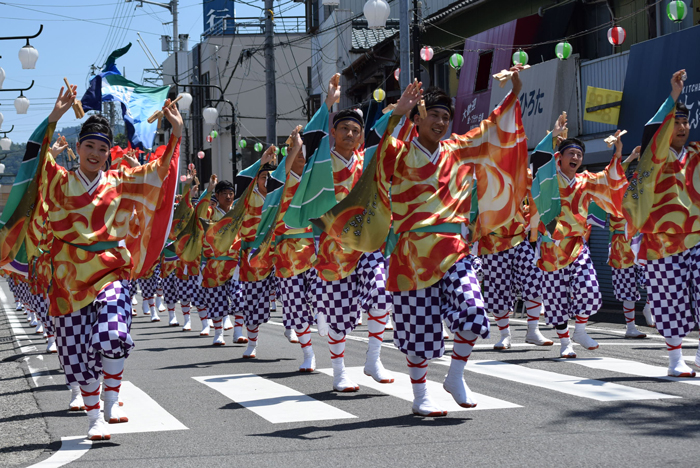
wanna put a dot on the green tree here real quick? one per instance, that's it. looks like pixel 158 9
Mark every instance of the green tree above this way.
pixel 121 140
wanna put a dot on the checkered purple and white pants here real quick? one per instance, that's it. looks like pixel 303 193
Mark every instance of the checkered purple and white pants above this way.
pixel 23 294
pixel 188 288
pixel 150 285
pixel 255 301
pixel 343 300
pixel 220 299
pixel 172 289
pixel 628 281
pixel 418 314
pixel 40 304
pixel 296 311
pixel 572 290
pixel 99 329
pixel 508 272
pixel 673 289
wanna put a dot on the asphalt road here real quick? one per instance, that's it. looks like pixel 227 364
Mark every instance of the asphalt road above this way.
pixel 192 405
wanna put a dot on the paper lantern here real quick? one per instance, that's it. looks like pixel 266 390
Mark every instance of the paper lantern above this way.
pixel 2 118
pixel 426 53
pixel 397 74
pixel 677 11
pixel 210 114
pixel 183 178
pixel 21 104
pixel 190 166
pixel 379 94
pixel 376 12
pixel 214 134
pixel 284 151
pixel 563 50
pixel 28 55
pixel 258 147
pixel 2 76
pixel 520 57
pixel 616 35
pixel 201 155
pixel 5 143
pixel 456 61
pixel 242 144
pixel 209 139
pixel 185 102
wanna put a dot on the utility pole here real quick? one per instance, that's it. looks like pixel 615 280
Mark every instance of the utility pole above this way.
pixel 172 8
pixel 270 88
pixel 416 42
pixel 404 45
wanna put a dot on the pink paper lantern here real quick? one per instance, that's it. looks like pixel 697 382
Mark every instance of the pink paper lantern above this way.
pixel 201 155
pixel 616 35
pixel 397 74
pixel 191 167
pixel 209 139
pixel 426 53
pixel 183 178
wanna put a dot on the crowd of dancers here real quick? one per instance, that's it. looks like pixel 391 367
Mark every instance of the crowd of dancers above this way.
pixel 422 232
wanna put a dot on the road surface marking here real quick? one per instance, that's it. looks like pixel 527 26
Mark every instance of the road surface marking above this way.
pixel 272 401
pixel 401 388
pixel 71 449
pixel 624 366
pixel 569 384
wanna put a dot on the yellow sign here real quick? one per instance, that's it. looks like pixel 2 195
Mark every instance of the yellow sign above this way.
pixel 598 97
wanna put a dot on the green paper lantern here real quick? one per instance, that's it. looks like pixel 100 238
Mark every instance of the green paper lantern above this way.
pixel 258 147
pixel 284 151
pixel 277 150
pixel 520 57
pixel 456 61
pixel 242 144
pixel 563 50
pixel 214 134
pixel 677 11
pixel 379 94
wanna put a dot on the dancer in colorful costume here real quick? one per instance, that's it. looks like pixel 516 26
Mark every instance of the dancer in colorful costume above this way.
pixel 569 283
pixel 663 203
pixel 88 213
pixel 424 192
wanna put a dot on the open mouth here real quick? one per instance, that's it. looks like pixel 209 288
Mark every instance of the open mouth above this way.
pixel 93 161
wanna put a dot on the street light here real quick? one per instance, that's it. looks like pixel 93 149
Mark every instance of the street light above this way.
pixel 210 114
pixel 5 143
pixel 2 118
pixel 21 104
pixel 28 55
pixel 2 77
pixel 376 12
pixel 185 102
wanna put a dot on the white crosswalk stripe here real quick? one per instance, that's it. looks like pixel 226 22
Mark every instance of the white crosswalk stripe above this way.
pixel 401 388
pixel 270 400
pixel 563 383
pixel 624 366
pixel 144 413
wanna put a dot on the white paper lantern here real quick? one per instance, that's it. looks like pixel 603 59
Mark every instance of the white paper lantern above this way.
pixel 21 104
pixel 210 114
pixel 2 168
pixel 28 55
pixel 5 143
pixel 2 118
pixel 376 12
pixel 2 76
pixel 185 102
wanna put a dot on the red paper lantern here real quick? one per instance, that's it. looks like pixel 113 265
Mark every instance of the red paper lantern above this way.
pixel 209 139
pixel 190 166
pixel 616 35
pixel 183 178
pixel 201 155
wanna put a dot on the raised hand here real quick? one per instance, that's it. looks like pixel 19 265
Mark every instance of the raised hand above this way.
pixel 410 97
pixel 63 103
pixel 59 146
pixel 559 125
pixel 677 84
pixel 174 117
pixel 634 155
pixel 333 91
pixel 618 144
pixel 269 156
pixel 515 79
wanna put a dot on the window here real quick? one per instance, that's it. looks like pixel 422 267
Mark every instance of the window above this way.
pixel 483 71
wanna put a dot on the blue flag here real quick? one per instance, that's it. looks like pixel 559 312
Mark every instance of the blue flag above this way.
pixel 138 102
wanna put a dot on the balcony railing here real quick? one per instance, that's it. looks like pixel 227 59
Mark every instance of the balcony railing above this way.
pixel 232 26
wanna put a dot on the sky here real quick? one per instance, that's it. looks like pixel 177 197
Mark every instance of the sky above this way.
pixel 80 33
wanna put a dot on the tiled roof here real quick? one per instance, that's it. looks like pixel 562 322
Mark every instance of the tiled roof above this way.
pixel 365 39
